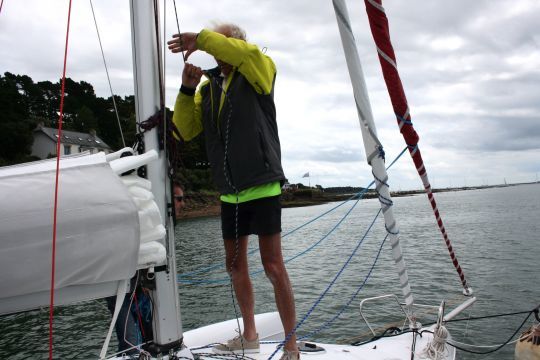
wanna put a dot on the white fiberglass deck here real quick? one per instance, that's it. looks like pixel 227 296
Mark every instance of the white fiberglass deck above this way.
pixel 270 331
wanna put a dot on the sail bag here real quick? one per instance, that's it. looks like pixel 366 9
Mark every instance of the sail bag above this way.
pixel 98 234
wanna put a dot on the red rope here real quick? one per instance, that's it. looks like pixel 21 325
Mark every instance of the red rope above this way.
pixel 381 34
pixel 60 119
pixel 141 326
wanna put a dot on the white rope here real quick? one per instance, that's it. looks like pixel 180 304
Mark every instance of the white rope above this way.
pixel 123 352
pixel 436 348
pixel 120 293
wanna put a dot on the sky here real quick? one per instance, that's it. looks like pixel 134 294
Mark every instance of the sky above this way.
pixel 470 69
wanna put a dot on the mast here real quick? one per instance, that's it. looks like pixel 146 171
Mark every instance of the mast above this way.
pixel 146 44
pixel 372 146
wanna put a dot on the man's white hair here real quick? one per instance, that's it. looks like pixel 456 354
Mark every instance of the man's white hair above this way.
pixel 231 29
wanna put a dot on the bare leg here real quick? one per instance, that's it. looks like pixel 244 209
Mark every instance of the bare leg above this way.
pixel 237 263
pixel 274 267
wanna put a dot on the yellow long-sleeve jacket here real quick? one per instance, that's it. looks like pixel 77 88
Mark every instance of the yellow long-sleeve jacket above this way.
pixel 237 115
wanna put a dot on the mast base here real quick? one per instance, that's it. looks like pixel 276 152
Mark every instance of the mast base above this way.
pixel 164 349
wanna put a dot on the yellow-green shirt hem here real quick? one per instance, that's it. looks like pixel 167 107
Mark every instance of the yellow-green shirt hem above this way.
pixel 253 193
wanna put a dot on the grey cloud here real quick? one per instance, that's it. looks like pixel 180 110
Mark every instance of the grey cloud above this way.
pixel 493 134
pixel 508 133
pixel 467 98
pixel 329 154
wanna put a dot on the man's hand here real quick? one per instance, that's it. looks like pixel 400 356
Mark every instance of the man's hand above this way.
pixel 191 76
pixel 183 42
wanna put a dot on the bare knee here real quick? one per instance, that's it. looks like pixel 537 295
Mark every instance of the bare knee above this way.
pixel 236 267
pixel 274 270
pixel 232 268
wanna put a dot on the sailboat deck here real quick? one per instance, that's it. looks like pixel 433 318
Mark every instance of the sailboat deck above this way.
pixel 387 349
pixel 271 333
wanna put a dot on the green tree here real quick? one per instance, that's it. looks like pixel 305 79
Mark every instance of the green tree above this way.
pixel 24 104
pixel 47 103
pixel 84 120
pixel 15 126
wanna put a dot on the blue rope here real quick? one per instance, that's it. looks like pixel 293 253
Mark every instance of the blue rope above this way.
pixel 381 152
pixel 402 119
pixel 254 273
pixel 357 196
pixel 413 147
pixel 327 324
pixel 384 200
pixel 388 230
pixel 397 158
pixel 316 303
pixel 212 267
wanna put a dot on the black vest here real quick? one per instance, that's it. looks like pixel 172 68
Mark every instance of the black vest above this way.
pixel 242 144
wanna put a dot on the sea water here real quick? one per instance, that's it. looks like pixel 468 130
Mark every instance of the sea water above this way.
pixel 494 232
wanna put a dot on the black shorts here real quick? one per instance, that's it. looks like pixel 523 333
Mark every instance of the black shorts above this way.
pixel 259 217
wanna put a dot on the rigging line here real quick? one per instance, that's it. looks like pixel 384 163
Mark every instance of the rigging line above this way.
pixel 317 302
pixel 163 84
pixel 453 320
pixel 55 211
pixel 413 346
pixel 1 4
pixel 368 276
pixel 163 71
pixel 108 77
pixel 196 281
pixel 168 157
pixel 493 316
pixel 216 266
pixel 498 347
pixel 159 61
pixel 129 310
pixel 221 356
pixel 119 353
pixel 360 194
pixel 178 27
pixel 230 181
pixel 135 76
pixel 380 30
pixel 486 346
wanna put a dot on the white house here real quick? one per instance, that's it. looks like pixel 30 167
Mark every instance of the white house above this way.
pixel 72 142
pixel 289 187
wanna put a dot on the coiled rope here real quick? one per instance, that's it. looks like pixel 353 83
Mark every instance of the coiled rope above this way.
pixel 497 348
pixel 436 348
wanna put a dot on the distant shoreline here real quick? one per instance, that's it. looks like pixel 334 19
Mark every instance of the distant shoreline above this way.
pixel 205 205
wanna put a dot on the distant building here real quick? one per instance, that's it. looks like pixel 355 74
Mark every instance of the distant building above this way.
pixel 289 187
pixel 72 142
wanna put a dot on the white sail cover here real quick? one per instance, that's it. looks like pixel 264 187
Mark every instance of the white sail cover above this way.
pixel 98 232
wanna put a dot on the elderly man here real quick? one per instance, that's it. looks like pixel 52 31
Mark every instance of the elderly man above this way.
pixel 235 109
